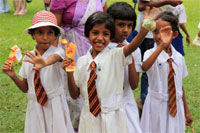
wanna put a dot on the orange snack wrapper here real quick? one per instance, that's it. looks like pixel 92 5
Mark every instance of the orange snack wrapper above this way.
pixel 70 50
pixel 15 54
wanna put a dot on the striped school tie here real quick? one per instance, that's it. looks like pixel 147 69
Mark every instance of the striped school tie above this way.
pixel 171 90
pixel 39 90
pixel 92 92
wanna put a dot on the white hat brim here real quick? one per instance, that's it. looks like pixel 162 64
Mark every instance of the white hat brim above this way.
pixel 42 24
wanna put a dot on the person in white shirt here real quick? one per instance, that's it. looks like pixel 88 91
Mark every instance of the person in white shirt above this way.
pixel 148 42
pixel 109 115
pixel 157 116
pixel 124 23
pixel 47 110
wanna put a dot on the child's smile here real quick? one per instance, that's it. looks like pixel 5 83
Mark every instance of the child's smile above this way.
pixel 99 37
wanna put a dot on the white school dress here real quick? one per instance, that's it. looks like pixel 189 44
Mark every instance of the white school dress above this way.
pixel 155 115
pixel 54 117
pixel 110 77
pixel 130 106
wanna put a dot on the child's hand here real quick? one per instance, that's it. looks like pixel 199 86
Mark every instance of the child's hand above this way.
pixel 188 40
pixel 166 36
pixel 36 60
pixel 8 69
pixel 67 62
pixel 189 119
pixel 148 22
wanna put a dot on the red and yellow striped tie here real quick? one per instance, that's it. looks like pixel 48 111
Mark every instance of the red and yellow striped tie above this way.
pixel 39 90
pixel 92 92
pixel 171 90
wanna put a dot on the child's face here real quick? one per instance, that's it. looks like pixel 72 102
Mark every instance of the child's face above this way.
pixel 122 29
pixel 44 36
pixel 99 37
pixel 159 24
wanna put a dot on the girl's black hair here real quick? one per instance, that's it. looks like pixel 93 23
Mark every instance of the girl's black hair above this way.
pixel 169 17
pixel 100 18
pixel 56 30
pixel 123 11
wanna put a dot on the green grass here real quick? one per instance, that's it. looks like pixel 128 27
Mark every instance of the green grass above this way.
pixel 13 101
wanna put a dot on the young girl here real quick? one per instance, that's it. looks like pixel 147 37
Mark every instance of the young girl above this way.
pixel 47 109
pixel 100 76
pixel 165 104
pixel 124 22
pixel 72 15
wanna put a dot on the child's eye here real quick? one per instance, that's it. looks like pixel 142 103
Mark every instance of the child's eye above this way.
pixel 39 32
pixel 106 34
pixel 121 25
pixel 95 33
pixel 50 32
pixel 155 31
pixel 130 26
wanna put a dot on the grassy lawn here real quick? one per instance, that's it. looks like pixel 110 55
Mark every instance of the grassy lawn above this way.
pixel 13 101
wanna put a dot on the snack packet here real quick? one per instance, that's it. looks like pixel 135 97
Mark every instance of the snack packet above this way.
pixel 70 50
pixel 15 54
pixel 149 24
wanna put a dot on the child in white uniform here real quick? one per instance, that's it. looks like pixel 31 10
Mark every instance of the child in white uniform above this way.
pixel 155 116
pixel 109 115
pixel 53 116
pixel 124 23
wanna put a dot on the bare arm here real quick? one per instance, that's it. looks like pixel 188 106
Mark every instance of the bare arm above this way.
pixel 73 89
pixel 166 36
pixel 183 27
pixel 9 70
pixel 150 61
pixel 133 75
pixel 134 44
pixel 143 4
pixel 186 110
pixel 128 49
pixel 58 17
pixel 39 62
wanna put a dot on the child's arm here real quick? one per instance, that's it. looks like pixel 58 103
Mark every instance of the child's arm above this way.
pixel 183 27
pixel 166 37
pixel 186 110
pixel 73 89
pixel 9 70
pixel 128 49
pixel 39 62
pixel 133 75
pixel 143 4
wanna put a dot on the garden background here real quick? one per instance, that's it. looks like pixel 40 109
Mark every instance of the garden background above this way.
pixel 13 101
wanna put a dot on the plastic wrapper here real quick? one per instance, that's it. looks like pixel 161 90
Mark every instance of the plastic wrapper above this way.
pixel 15 54
pixel 70 50
pixel 149 24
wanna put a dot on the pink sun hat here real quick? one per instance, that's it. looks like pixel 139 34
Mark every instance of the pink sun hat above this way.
pixel 44 18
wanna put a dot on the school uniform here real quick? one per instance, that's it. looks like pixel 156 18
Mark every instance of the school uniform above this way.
pixel 178 11
pixel 109 83
pixel 130 106
pixel 155 115
pixel 54 117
